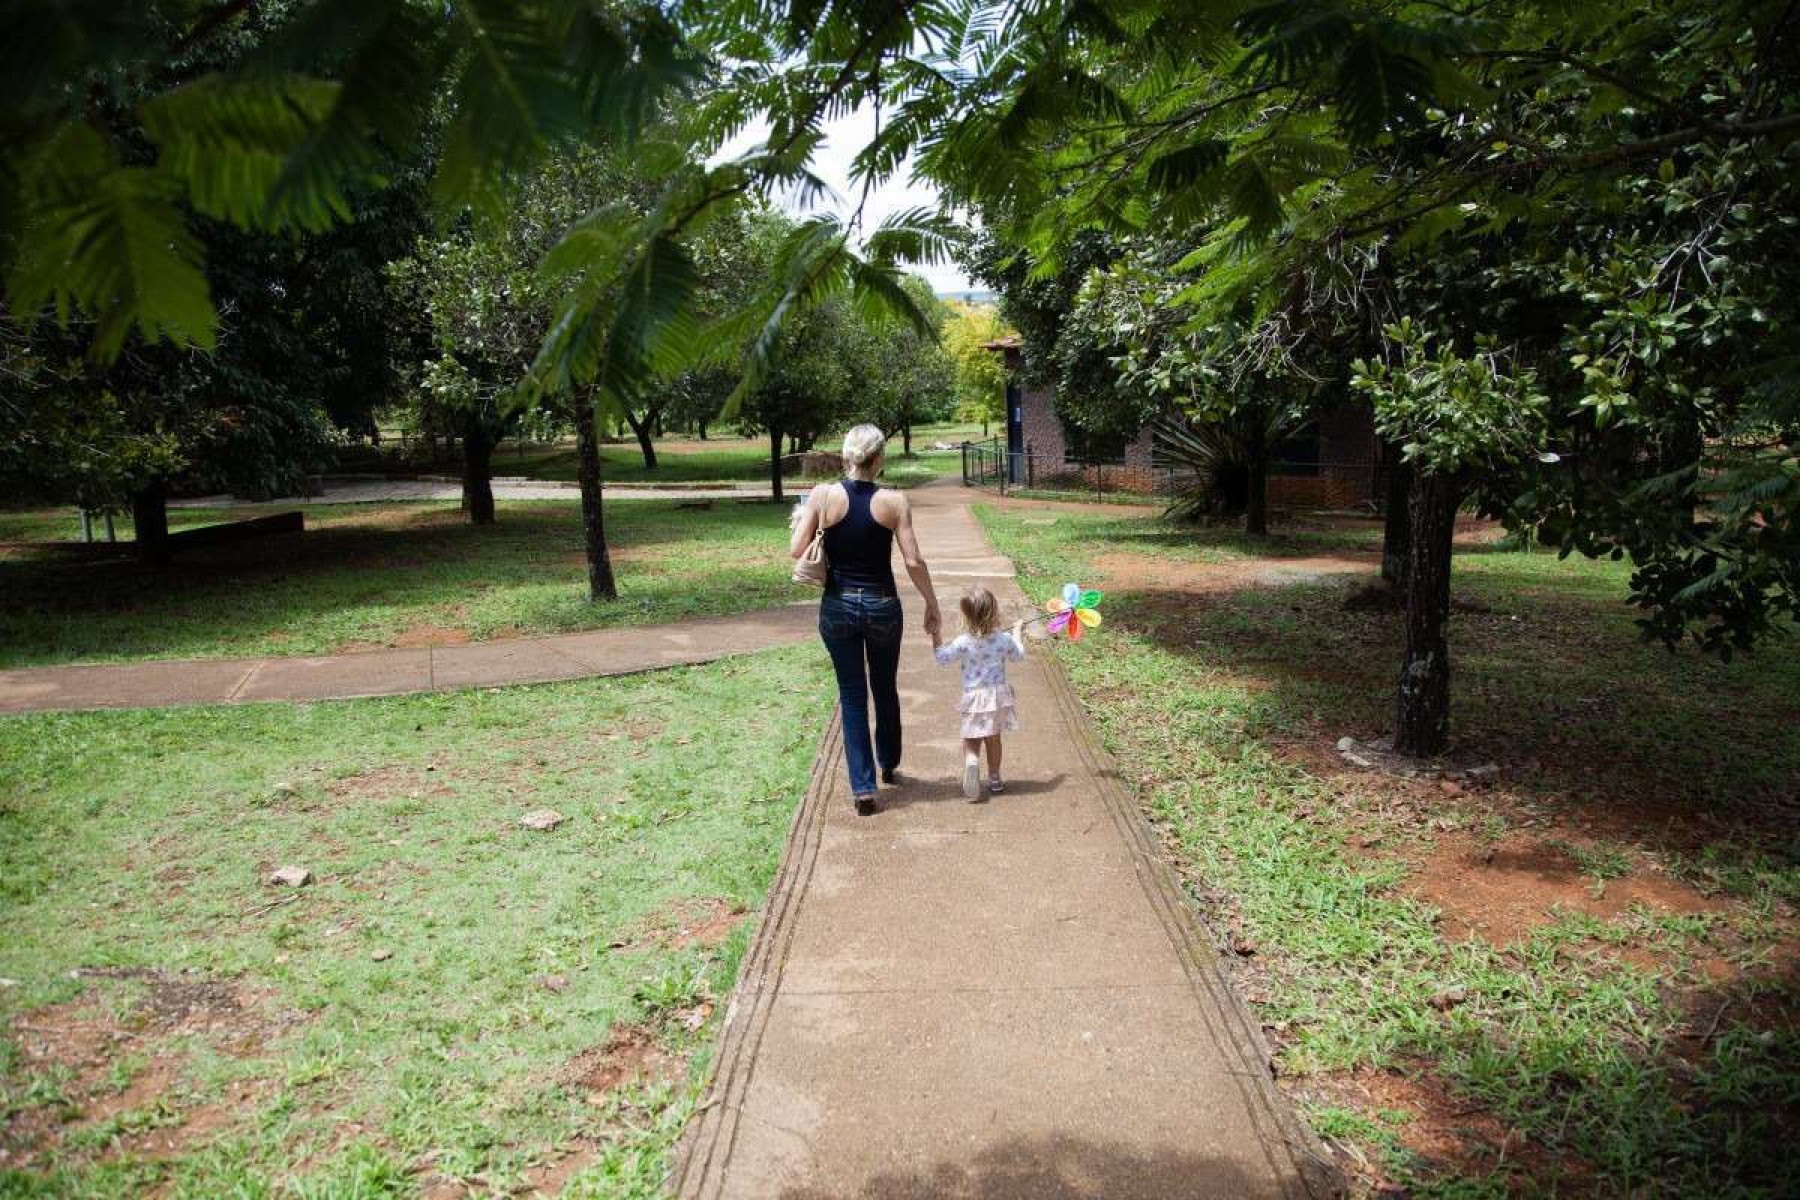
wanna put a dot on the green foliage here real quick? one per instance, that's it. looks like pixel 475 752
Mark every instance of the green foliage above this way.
pixel 822 356
pixel 303 318
pixel 980 373
pixel 1450 414
pixel 279 137
pixel 1607 204
pixel 1312 171
pixel 486 305
pixel 910 379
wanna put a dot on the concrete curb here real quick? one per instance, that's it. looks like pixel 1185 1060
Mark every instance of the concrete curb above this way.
pixel 705 1149
pixel 1199 955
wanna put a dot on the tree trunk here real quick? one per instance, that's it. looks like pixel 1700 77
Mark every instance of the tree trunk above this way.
pixel 645 443
pixel 150 514
pixel 1682 449
pixel 906 440
pixel 1396 527
pixel 1256 504
pixel 601 585
pixel 775 463
pixel 703 429
pixel 478 473
pixel 1422 710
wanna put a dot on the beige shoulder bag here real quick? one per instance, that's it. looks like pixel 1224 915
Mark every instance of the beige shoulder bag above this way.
pixel 812 567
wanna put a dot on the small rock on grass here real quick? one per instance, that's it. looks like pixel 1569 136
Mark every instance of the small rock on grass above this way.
pixel 542 819
pixel 381 955
pixel 1449 998
pixel 555 983
pixel 290 876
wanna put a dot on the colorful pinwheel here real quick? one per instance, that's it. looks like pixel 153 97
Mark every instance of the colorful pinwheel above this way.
pixel 1073 611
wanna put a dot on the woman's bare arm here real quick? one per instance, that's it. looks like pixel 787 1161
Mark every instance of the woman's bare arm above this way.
pixel 808 519
pixel 915 564
pixel 806 524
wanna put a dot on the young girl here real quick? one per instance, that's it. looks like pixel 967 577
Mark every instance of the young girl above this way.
pixel 987 699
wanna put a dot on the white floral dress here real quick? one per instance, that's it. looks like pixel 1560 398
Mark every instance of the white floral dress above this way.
pixel 987 704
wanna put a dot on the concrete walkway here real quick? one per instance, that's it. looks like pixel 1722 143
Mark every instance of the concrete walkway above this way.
pixel 621 651
pixel 1004 999
pixel 374 491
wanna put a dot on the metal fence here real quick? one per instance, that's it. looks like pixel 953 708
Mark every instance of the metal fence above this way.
pixel 990 464
pixel 1292 483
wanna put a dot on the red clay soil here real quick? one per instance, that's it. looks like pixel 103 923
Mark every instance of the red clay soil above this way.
pixel 1124 570
pixel 85 1037
pixel 1502 891
pixel 632 1054
pixel 702 923
pixel 382 783
pixel 550 1178
pixel 1460 1138
pixel 1121 511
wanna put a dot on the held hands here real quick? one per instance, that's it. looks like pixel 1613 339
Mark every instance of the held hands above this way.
pixel 934 624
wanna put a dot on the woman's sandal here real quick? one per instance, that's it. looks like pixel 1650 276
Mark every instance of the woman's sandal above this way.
pixel 996 786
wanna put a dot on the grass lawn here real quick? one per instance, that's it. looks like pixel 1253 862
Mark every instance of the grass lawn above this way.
pixel 1582 977
pixel 731 461
pixel 383 574
pixel 722 460
pixel 454 999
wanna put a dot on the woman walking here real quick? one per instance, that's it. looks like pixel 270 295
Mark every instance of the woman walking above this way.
pixel 860 619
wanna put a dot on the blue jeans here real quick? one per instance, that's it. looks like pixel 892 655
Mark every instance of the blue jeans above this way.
pixel 861 630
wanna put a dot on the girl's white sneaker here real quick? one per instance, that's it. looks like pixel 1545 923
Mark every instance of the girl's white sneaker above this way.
pixel 972 778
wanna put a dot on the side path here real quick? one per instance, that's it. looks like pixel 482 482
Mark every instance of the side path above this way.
pixel 370 491
pixel 1002 999
pixel 618 651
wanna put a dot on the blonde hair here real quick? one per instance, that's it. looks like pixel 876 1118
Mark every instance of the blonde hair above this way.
pixel 981 612
pixel 863 445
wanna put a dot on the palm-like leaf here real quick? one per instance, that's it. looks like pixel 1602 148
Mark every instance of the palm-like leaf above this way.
pixel 915 235
pixel 112 240
pixel 228 141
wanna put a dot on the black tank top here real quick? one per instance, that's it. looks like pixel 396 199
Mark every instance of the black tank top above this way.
pixel 859 548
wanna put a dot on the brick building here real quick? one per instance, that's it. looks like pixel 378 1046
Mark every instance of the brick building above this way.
pixel 1334 463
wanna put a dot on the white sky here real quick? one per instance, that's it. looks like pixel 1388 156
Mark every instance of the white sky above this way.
pixel 831 162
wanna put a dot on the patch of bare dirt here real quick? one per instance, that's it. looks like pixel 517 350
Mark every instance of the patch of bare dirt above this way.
pixel 418 635
pixel 1457 1138
pixel 386 783
pixel 703 922
pixel 632 1054
pixel 1501 891
pixel 550 1178
pixel 134 1014
pixel 1127 570
pixel 424 633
